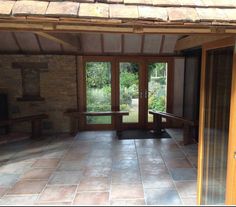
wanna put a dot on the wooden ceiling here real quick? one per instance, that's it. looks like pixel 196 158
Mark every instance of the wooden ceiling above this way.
pixel 86 43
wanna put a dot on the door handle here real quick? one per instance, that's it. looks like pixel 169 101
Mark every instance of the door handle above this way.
pixel 235 155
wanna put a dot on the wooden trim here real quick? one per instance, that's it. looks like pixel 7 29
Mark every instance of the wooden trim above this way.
pixel 162 44
pixel 195 41
pixel 231 163
pixel 201 127
pixel 114 26
pixel 55 38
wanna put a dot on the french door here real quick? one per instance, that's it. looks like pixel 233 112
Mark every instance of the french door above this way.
pixel 128 84
pixel 217 143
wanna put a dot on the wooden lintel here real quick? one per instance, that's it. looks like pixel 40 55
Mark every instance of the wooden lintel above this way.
pixel 195 41
pixel 59 38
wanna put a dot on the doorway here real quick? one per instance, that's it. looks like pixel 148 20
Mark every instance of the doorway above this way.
pixel 136 85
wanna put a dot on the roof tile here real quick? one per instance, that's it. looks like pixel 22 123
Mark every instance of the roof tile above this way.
pixel 65 8
pixel 112 1
pixel 94 10
pixel 219 3
pixel 166 2
pixel 211 14
pixel 231 14
pixel 123 12
pixel 156 13
pixel 182 14
pixel 144 2
pixel 6 7
pixel 192 3
pixel 30 8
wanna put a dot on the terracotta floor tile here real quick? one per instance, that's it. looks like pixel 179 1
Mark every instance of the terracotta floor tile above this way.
pixel 155 182
pixel 97 172
pixel 102 162
pixel 178 163
pixel 125 165
pixel 46 163
pixel 66 178
pixel 162 197
pixel 28 187
pixel 94 184
pixel 71 166
pixel 3 191
pixel 136 202
pixel 19 200
pixel 37 173
pixel 92 198
pixel 124 155
pixel 126 176
pixel 58 194
pixel 186 188
pixel 179 174
pixel 8 180
pixel 18 167
pixel 190 201
pixel 127 191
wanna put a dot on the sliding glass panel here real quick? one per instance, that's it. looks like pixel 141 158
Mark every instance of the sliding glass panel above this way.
pixel 216 124
pixel 157 88
pixel 129 91
pixel 98 91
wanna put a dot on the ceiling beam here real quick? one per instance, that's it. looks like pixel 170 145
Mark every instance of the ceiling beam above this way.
pixel 195 41
pixel 62 38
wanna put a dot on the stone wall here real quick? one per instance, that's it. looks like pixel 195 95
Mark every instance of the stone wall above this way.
pixel 57 87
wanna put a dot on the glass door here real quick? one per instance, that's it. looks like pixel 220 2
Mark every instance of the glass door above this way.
pixel 97 94
pixel 215 123
pixel 131 93
pixel 157 87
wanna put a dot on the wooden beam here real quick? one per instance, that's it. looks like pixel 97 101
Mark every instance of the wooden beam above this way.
pixel 195 41
pixel 61 38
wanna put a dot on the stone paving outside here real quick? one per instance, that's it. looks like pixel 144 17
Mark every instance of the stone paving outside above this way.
pixel 95 168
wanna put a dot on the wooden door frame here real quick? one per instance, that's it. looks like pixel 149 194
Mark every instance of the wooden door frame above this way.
pixel 82 91
pixel 143 61
pixel 231 166
pixel 140 62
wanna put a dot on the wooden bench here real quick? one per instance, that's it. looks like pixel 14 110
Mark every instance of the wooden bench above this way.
pixel 75 115
pixel 36 123
pixel 157 120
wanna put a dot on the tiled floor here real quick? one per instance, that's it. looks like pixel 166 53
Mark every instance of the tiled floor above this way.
pixel 94 168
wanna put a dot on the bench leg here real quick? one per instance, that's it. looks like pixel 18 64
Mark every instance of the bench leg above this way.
pixel 36 129
pixel 157 123
pixel 74 126
pixel 118 126
pixel 187 136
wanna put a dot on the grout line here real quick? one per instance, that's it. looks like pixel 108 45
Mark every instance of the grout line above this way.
pixel 141 177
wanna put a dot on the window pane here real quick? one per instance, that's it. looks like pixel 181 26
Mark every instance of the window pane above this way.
pixel 98 91
pixel 157 88
pixel 129 91
pixel 216 124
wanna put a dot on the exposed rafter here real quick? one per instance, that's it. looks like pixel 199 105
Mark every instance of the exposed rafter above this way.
pixel 63 39
pixel 195 41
